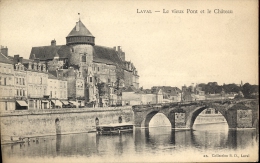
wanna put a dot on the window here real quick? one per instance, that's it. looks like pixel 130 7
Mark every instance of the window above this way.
pixel 17 92
pixel 24 92
pixel 20 81
pixel 83 58
pixel 4 81
pixel 0 80
pixel 98 68
pixel 90 79
pixel 23 82
pixel 21 92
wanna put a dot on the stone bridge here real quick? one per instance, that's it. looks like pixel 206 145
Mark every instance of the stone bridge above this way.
pixel 238 114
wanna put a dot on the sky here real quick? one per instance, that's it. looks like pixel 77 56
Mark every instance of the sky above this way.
pixel 172 49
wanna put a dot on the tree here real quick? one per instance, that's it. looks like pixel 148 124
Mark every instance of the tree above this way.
pixel 102 89
pixel 249 90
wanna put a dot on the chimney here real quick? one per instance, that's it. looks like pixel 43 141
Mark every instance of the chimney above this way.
pixel 4 50
pixel 16 59
pixel 118 48
pixel 21 60
pixel 77 26
pixel 53 42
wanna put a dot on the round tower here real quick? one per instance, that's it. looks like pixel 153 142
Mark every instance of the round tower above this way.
pixel 80 35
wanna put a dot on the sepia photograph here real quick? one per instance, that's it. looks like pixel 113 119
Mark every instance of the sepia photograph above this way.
pixel 129 81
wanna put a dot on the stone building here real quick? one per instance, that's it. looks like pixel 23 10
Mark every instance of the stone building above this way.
pixel 37 81
pixel 20 83
pixel 95 64
pixel 57 89
pixel 7 101
pixel 170 94
pixel 133 96
pixel 75 86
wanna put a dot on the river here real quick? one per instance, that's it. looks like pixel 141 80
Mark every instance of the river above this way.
pixel 206 142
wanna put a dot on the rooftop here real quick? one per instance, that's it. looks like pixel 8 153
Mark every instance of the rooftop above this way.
pixel 80 30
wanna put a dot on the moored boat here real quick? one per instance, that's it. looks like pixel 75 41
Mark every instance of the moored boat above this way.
pixel 114 128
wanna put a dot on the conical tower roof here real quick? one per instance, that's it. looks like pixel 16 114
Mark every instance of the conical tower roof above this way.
pixel 81 31
pixel 80 35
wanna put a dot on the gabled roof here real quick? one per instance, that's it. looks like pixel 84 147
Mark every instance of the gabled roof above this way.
pixel 172 91
pixel 4 59
pixel 48 52
pixel 130 89
pixel 83 31
pixel 51 75
pixel 107 55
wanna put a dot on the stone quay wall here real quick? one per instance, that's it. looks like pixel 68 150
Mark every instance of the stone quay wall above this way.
pixel 32 123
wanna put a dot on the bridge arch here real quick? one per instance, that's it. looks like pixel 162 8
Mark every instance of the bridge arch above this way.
pixel 148 117
pixel 194 114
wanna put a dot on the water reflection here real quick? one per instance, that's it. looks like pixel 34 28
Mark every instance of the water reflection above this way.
pixel 149 141
pixel 58 144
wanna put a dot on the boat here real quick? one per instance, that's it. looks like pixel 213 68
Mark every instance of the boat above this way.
pixel 12 142
pixel 114 128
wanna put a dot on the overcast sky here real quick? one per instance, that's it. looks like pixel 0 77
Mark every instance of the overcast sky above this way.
pixel 167 49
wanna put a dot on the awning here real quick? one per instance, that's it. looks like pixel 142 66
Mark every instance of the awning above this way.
pixel 45 101
pixel 57 102
pixel 65 102
pixel 22 103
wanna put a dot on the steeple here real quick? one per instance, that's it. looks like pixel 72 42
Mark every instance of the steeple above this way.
pixel 80 35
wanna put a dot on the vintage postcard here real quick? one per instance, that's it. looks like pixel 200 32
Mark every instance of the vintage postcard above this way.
pixel 129 81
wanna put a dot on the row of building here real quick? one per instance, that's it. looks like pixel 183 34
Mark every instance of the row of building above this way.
pixel 59 75
pixel 168 94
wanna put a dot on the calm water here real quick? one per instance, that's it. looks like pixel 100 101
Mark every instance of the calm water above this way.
pixel 153 144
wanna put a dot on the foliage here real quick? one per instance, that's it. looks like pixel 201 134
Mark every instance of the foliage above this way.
pixel 102 89
pixel 248 91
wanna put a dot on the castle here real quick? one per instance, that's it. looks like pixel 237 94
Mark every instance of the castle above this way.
pixel 85 65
